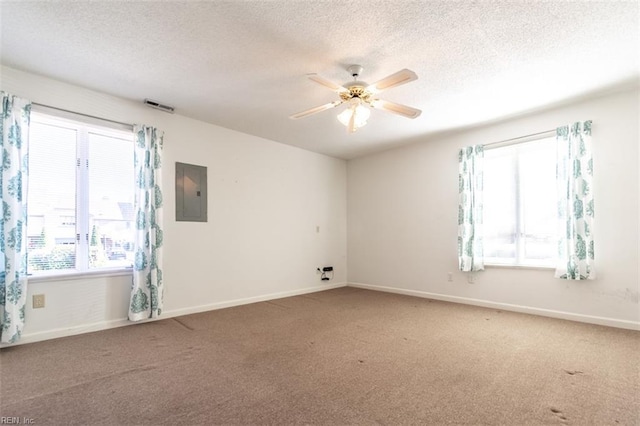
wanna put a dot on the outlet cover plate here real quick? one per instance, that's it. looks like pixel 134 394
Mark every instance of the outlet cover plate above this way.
pixel 38 301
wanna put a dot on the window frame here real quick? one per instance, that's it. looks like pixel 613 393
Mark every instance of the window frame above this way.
pixel 519 261
pixel 83 126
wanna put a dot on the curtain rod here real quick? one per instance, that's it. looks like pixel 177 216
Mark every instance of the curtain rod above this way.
pixel 84 115
pixel 519 139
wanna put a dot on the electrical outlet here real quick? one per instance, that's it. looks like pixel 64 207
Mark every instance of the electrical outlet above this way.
pixel 450 277
pixel 38 301
pixel 470 278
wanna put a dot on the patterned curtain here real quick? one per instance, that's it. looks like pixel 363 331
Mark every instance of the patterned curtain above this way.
pixel 470 253
pixel 147 289
pixel 13 227
pixel 574 179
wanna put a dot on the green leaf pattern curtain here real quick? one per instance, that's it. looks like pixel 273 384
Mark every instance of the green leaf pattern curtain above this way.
pixel 13 236
pixel 574 177
pixel 147 290
pixel 470 169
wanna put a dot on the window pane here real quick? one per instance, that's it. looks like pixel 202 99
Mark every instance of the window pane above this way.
pixel 539 209
pixel 51 226
pixel 111 180
pixel 499 206
pixel 520 211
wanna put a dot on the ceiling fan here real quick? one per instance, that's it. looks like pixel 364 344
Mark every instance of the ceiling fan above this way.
pixel 361 96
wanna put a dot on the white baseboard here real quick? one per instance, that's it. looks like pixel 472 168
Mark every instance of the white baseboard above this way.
pixel 121 322
pixel 104 325
pixel 248 300
pixel 68 331
pixel 611 322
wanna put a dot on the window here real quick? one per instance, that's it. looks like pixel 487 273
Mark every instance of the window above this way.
pixel 80 196
pixel 520 207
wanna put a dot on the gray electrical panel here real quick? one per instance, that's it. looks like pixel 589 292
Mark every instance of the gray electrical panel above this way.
pixel 191 193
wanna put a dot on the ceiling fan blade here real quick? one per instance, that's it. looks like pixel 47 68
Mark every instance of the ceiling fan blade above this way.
pixel 327 83
pixel 316 109
pixel 401 77
pixel 403 110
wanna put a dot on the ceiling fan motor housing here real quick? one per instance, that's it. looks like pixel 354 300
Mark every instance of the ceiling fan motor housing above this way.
pixel 356 89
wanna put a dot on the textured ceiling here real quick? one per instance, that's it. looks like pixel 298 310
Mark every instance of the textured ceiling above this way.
pixel 243 64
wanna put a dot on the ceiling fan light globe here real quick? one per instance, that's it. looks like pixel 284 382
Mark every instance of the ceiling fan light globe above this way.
pixel 345 116
pixel 361 112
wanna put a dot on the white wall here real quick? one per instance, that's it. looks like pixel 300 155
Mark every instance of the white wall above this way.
pixel 402 220
pixel 265 201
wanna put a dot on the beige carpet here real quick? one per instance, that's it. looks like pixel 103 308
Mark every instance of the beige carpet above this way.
pixel 344 356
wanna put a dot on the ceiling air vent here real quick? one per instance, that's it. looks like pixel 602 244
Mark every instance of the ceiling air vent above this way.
pixel 158 105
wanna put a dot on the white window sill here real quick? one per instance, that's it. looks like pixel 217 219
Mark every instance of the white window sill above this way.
pixel 503 266
pixel 67 275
